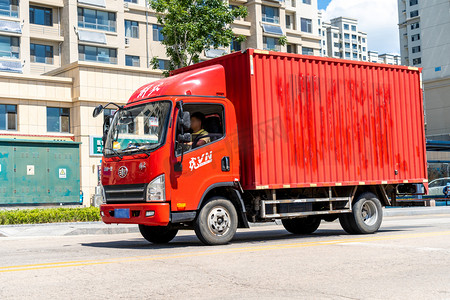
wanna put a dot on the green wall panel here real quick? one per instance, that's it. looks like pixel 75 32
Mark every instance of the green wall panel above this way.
pixel 39 172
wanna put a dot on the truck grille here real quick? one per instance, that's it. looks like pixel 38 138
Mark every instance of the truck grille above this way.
pixel 125 193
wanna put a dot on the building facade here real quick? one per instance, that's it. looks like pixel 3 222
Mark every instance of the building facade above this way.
pixel 424 28
pixel 389 59
pixel 344 40
pixel 61 58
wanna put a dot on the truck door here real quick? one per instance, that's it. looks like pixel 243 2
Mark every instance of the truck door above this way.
pixel 207 159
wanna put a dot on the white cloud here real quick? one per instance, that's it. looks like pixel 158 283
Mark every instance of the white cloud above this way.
pixel 379 18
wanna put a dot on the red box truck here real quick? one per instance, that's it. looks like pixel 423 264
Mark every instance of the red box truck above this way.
pixel 256 136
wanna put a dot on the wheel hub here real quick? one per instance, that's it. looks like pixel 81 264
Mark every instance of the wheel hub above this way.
pixel 219 221
pixel 369 213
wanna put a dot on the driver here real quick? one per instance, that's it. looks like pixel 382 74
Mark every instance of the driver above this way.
pixel 197 121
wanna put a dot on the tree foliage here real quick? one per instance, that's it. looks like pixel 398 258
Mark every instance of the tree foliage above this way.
pixel 192 26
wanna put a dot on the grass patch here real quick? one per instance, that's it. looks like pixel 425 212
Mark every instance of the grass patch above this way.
pixel 49 215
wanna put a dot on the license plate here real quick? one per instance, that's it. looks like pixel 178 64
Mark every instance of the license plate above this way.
pixel 122 213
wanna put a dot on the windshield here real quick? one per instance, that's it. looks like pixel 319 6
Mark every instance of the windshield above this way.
pixel 138 129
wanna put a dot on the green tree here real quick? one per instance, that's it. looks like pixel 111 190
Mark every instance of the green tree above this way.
pixel 191 26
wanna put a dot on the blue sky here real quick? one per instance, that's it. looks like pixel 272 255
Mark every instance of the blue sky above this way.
pixel 378 18
pixel 323 3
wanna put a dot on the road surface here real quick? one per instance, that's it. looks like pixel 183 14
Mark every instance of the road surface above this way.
pixel 409 258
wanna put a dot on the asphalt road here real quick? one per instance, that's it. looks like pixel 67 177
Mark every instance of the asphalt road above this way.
pixel 409 258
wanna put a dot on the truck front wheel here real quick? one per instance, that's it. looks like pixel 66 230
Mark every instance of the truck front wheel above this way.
pixel 158 234
pixel 366 216
pixel 301 225
pixel 217 221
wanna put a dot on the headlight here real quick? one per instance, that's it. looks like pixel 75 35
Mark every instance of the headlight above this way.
pixel 156 190
pixel 100 193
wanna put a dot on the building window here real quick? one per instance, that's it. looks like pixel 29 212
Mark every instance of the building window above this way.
pixel 415 49
pixel 346 27
pixel 414 13
pixel 8 117
pixel 307 51
pixel 337 45
pixel 157 33
pixel 363 40
pixel 132 61
pixel 413 2
pixel 364 48
pixel 417 61
pixel 58 119
pixel 41 16
pixel 307 2
pixel 346 36
pixel 291 48
pixel 270 43
pixel 41 53
pixel 96 19
pixel 131 29
pixel 347 45
pixel 98 54
pixel 9 8
pixel 9 46
pixel 306 25
pixel 335 35
pixel 354 37
pixel 354 46
pixel 235 46
pixel 163 64
pixel 270 14
pixel 415 25
pixel 290 22
pixel 415 37
pixel 347 54
pixel 353 27
pixel 130 1
pixel 355 55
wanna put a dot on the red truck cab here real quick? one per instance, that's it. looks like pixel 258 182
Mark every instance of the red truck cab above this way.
pixel 283 136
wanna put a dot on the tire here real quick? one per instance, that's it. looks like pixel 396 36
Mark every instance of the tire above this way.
pixel 217 222
pixel 366 216
pixel 301 225
pixel 158 234
pixel 345 223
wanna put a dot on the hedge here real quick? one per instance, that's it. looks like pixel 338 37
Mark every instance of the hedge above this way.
pixel 49 215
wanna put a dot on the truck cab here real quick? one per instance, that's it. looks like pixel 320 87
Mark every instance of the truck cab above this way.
pixel 153 173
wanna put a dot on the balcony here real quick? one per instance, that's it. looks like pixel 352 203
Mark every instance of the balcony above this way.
pixel 45 32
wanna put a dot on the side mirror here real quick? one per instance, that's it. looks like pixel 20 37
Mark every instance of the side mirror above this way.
pixel 98 110
pixel 184 138
pixel 186 120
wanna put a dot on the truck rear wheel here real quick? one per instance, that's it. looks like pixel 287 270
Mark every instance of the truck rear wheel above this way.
pixel 217 221
pixel 301 225
pixel 158 234
pixel 366 216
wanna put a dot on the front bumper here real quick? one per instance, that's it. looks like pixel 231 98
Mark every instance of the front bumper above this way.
pixel 161 216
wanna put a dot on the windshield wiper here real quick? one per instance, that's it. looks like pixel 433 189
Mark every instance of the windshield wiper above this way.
pixel 115 152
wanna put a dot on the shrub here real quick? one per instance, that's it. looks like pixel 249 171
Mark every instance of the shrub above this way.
pixel 49 215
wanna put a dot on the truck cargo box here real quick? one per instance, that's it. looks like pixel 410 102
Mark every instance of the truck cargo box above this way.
pixel 308 121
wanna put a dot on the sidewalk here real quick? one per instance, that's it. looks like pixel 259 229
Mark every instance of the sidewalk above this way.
pixel 92 228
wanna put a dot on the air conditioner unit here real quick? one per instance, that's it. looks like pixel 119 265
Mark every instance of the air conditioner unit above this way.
pixel 125 5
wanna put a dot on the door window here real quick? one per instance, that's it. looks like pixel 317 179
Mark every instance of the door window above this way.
pixel 207 126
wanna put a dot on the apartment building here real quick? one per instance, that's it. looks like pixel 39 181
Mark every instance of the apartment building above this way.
pixel 386 58
pixel 344 39
pixel 61 58
pixel 424 28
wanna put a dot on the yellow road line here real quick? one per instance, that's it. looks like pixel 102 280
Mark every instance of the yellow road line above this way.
pixel 217 252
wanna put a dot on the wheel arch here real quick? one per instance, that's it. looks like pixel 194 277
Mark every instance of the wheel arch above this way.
pixel 378 190
pixel 229 191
